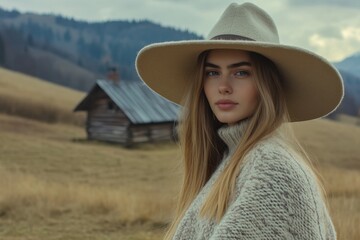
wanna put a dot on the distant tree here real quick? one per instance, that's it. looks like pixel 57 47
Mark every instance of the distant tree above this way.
pixel 2 51
pixel 48 35
pixel 40 34
pixel 30 40
pixel 67 36
pixel 79 63
pixel 9 14
pixel 95 50
pixel 26 48
pixel 81 44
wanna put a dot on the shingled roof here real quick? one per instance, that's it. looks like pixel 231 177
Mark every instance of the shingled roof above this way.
pixel 140 104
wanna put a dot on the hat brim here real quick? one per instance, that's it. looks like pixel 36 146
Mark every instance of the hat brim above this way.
pixel 313 87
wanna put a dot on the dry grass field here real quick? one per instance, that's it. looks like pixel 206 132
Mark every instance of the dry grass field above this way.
pixel 55 185
pixel 335 150
pixel 33 98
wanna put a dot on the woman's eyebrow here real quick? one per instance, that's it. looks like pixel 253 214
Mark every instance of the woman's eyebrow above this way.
pixel 234 65
pixel 207 64
pixel 239 64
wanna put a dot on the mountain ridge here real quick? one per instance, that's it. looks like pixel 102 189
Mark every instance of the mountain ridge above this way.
pixel 350 64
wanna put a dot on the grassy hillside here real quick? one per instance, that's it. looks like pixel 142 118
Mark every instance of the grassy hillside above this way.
pixel 33 98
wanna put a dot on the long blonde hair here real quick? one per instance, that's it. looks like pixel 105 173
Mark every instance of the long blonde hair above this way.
pixel 202 149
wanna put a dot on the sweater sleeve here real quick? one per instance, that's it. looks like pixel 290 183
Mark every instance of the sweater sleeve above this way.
pixel 275 201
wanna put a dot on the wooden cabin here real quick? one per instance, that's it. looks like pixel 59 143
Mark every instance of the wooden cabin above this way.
pixel 127 112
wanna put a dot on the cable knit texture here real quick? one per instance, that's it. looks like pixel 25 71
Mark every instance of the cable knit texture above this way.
pixel 276 197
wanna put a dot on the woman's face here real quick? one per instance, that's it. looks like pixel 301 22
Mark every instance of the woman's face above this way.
pixel 229 85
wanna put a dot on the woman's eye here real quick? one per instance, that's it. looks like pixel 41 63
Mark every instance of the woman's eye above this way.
pixel 242 73
pixel 211 73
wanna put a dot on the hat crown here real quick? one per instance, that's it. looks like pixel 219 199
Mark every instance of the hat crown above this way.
pixel 246 21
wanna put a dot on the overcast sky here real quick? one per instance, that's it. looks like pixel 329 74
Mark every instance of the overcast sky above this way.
pixel 330 28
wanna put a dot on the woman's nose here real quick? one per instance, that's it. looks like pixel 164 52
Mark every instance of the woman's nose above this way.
pixel 225 87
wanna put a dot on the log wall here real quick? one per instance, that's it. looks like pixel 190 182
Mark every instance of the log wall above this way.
pixel 152 132
pixel 107 124
pixel 112 125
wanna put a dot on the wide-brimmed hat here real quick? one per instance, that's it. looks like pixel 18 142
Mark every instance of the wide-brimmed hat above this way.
pixel 313 87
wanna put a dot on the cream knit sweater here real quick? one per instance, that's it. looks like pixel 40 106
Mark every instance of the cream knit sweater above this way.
pixel 276 197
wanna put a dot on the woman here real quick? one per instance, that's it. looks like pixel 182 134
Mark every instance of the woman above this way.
pixel 245 175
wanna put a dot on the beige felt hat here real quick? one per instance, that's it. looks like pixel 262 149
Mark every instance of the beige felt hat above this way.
pixel 313 86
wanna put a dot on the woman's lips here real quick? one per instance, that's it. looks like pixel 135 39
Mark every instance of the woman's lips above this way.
pixel 225 104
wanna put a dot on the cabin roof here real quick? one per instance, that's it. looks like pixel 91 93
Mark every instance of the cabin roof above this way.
pixel 139 103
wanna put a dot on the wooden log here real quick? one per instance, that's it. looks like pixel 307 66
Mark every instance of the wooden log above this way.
pixel 140 139
pixel 109 138
pixel 106 114
pixel 108 131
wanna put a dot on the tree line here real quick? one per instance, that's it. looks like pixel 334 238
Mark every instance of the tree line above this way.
pixel 90 47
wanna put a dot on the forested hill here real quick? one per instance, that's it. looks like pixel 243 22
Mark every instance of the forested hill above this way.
pixel 74 53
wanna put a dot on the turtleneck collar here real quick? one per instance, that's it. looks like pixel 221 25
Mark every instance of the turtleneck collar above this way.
pixel 231 135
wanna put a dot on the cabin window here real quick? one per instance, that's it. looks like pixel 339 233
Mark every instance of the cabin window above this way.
pixel 111 105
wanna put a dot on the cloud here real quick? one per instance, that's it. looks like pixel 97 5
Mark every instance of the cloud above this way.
pixel 329 30
pixel 334 48
pixel 336 45
pixel 342 3
pixel 351 33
